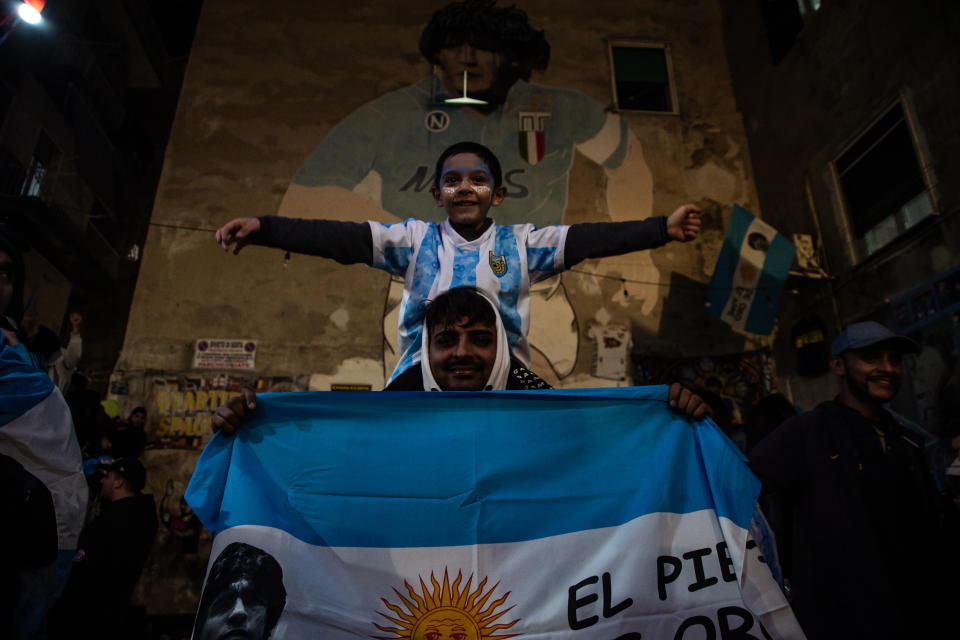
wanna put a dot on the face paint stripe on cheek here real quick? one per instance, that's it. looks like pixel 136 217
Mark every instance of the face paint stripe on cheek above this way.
pixel 462 171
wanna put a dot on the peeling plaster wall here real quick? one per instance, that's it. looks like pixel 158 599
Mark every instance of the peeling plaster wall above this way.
pixel 263 88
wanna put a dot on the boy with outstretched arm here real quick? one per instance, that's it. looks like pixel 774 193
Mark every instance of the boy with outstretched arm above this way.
pixel 468 248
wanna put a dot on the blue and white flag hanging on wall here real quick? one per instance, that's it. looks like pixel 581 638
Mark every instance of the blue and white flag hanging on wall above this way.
pixel 748 280
pixel 563 514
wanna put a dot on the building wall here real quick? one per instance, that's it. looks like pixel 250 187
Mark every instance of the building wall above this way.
pixel 850 62
pixel 263 88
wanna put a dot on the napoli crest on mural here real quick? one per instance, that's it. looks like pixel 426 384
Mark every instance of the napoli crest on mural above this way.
pixel 531 128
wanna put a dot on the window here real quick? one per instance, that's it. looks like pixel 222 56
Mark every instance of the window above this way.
pixel 44 154
pixel 882 184
pixel 642 77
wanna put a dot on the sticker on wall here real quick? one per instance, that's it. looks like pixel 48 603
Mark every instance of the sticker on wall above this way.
pixel 611 349
pixel 224 354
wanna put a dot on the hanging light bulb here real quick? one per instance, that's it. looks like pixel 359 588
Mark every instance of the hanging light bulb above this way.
pixel 30 10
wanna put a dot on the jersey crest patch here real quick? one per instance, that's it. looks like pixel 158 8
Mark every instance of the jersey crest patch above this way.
pixel 531 128
pixel 498 264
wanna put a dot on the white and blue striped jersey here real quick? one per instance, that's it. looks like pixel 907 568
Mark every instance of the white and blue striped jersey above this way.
pixel 432 258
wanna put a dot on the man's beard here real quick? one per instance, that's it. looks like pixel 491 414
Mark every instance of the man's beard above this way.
pixel 862 389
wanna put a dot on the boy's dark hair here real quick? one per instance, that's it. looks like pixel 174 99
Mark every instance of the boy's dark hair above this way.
pixel 259 568
pixel 476 148
pixel 448 308
pixel 481 24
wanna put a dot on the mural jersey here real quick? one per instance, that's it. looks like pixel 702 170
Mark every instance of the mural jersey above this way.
pixel 431 258
pixel 387 149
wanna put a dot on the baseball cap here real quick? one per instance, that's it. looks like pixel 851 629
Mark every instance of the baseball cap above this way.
pixel 130 469
pixel 866 334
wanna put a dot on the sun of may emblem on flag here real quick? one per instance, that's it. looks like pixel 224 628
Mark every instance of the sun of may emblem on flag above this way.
pixel 447 612
pixel 498 264
pixel 532 127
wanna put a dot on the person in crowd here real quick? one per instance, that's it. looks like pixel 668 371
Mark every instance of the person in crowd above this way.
pixel 769 413
pixel 468 248
pixel 466 350
pixel 243 596
pixel 860 509
pixel 63 363
pixel 30 536
pixel 36 430
pixel 112 552
pixel 127 437
pixel 89 418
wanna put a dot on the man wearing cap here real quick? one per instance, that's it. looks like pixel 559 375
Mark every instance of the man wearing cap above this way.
pixel 859 536
pixel 113 551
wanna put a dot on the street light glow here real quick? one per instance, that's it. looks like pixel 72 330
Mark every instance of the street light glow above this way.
pixel 28 14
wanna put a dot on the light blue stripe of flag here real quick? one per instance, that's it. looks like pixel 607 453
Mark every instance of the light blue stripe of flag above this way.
pixel 412 469
pixel 22 385
pixel 769 288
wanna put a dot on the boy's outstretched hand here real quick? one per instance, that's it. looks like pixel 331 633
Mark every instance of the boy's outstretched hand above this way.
pixel 228 417
pixel 237 232
pixel 683 224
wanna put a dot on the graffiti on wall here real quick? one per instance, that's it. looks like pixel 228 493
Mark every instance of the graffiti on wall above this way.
pixel 181 407
pixel 740 380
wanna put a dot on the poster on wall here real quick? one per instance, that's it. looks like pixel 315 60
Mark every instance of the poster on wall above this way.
pixel 181 408
pixel 211 353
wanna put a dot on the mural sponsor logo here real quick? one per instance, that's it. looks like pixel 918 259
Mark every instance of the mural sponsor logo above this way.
pixel 436 121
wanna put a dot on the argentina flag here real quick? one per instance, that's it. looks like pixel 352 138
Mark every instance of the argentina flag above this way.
pixel 747 281
pixel 563 514
pixel 36 430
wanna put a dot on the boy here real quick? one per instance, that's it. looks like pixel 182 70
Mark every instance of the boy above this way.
pixel 467 249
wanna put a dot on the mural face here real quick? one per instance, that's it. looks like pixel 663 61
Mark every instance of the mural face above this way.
pixel 482 67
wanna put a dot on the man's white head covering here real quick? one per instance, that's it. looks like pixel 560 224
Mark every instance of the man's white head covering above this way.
pixel 501 366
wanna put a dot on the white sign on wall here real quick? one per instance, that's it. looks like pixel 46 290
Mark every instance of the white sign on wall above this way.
pixel 224 354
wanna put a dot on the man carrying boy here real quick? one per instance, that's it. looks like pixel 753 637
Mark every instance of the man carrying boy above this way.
pixel 465 350
pixel 467 249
